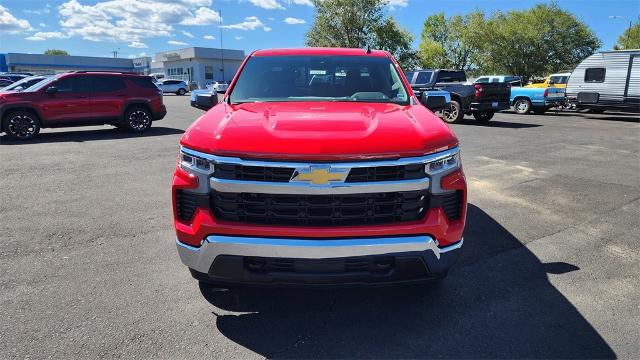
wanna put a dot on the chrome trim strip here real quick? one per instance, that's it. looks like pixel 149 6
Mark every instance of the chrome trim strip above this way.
pixel 334 165
pixel 332 188
pixel 200 259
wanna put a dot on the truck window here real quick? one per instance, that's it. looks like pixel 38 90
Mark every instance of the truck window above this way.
pixel 409 75
pixel 482 80
pixel 559 79
pixel 445 76
pixel 424 77
pixel 594 75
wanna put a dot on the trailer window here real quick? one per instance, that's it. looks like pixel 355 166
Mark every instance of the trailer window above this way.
pixel 594 75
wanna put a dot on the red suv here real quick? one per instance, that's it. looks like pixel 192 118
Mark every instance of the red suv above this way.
pixel 319 167
pixel 125 100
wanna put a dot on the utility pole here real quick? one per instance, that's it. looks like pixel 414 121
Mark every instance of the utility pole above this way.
pixel 221 44
pixel 115 53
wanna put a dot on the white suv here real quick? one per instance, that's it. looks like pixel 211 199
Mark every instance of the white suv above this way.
pixel 179 87
pixel 218 86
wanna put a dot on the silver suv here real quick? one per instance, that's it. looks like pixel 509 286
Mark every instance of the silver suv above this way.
pixel 178 87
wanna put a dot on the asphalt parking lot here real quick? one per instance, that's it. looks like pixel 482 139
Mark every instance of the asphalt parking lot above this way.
pixel 88 265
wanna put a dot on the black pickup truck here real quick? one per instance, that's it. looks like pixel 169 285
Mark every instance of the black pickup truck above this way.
pixel 481 100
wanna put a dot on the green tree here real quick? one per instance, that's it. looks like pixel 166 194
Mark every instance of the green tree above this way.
pixel 358 23
pixel 455 42
pixel 630 39
pixel 56 52
pixel 537 41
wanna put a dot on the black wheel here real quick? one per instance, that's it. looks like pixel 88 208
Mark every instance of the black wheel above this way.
pixel 181 91
pixel 522 106
pixel 483 116
pixel 137 119
pixel 21 125
pixel 454 113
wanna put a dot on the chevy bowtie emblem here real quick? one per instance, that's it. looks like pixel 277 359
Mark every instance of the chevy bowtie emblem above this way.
pixel 320 175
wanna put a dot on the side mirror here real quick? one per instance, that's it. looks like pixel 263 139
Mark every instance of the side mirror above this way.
pixel 205 101
pixel 433 103
pixel 51 90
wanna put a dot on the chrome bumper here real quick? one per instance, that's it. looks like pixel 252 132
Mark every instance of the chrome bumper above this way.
pixel 201 258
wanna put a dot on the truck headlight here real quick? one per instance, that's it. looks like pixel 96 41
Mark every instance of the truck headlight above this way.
pixel 451 161
pixel 192 162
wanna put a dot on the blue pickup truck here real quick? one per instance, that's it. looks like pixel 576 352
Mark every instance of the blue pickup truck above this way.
pixel 538 100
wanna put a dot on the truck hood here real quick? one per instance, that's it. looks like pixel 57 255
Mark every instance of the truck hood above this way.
pixel 318 131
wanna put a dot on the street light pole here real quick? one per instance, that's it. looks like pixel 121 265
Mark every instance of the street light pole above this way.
pixel 221 44
pixel 613 17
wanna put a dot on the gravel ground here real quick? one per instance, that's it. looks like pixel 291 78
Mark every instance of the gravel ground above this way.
pixel 88 266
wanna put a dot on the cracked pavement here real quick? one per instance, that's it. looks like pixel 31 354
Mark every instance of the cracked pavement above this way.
pixel 88 266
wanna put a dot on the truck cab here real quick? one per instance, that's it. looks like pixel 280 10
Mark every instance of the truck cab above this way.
pixel 554 80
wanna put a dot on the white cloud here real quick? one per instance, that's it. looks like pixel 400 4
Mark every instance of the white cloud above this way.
pixel 204 16
pixel 267 4
pixel 303 2
pixel 41 36
pixel 10 24
pixel 239 37
pixel 138 45
pixel 397 3
pixel 209 37
pixel 294 21
pixel 249 23
pixel 132 20
pixel 133 56
pixel 173 42
pixel 187 34
pixel 43 25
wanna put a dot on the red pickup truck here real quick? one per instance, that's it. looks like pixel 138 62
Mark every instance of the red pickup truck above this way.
pixel 320 166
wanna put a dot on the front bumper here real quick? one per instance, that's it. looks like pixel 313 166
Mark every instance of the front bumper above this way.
pixel 233 259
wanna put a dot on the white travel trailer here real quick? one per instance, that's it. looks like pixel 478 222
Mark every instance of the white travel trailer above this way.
pixel 609 80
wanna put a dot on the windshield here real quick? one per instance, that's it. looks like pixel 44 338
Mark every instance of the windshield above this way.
pixel 319 78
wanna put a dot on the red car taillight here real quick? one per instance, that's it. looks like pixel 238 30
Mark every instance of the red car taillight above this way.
pixel 478 90
pixel 546 92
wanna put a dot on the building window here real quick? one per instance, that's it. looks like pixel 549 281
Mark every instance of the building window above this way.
pixel 208 72
pixel 594 75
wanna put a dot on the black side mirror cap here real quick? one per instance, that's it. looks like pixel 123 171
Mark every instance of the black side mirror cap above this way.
pixel 51 90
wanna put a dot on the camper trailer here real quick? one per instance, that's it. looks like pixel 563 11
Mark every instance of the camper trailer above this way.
pixel 608 80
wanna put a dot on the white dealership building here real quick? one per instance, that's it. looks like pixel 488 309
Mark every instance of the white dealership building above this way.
pixel 197 64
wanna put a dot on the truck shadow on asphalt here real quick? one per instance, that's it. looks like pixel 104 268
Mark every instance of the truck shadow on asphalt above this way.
pixel 497 303
pixel 89 135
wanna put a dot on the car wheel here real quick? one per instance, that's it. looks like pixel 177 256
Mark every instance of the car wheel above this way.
pixel 181 92
pixel 454 113
pixel 483 116
pixel 137 119
pixel 21 125
pixel 522 106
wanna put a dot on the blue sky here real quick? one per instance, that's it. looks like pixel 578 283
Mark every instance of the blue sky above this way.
pixel 143 27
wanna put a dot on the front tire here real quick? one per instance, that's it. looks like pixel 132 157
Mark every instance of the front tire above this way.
pixel 137 119
pixel 21 125
pixel 181 92
pixel 522 106
pixel 483 116
pixel 454 114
